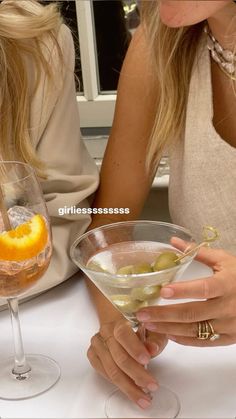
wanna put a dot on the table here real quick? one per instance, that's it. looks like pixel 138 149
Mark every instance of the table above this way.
pixel 59 324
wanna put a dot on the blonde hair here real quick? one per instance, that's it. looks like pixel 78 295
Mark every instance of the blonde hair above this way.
pixel 173 52
pixel 25 28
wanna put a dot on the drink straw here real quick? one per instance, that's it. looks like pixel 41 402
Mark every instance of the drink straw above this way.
pixel 3 211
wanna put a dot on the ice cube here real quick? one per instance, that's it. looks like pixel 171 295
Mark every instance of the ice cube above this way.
pixel 19 215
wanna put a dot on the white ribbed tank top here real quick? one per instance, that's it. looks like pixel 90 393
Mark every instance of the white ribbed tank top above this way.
pixel 202 188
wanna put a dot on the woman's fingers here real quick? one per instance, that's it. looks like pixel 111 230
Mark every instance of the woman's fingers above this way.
pixel 114 373
pixel 204 288
pixel 155 342
pixel 220 326
pixel 96 363
pixel 222 341
pixel 186 312
pixel 129 353
pixel 130 367
pixel 174 329
pixel 124 334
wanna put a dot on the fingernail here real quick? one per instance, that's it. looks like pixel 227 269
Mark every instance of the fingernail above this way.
pixel 144 403
pixel 150 326
pixel 143 316
pixel 144 359
pixel 154 348
pixel 172 338
pixel 152 387
pixel 167 292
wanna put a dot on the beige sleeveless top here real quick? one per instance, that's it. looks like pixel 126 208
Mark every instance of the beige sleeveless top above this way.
pixel 202 188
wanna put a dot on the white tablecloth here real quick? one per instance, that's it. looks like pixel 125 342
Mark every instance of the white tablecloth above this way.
pixel 60 323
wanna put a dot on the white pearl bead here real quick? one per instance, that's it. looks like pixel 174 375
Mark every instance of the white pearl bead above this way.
pixel 218 47
pixel 228 55
pixel 225 58
pixel 215 57
pixel 230 68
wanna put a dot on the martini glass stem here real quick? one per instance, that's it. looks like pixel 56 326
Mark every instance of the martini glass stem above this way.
pixel 143 337
pixel 21 368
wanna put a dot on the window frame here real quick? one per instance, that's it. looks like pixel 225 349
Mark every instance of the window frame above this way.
pixel 96 110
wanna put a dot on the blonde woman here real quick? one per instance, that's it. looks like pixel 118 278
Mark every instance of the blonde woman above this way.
pixel 40 121
pixel 174 94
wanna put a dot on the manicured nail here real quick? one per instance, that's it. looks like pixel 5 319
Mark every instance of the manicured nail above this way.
pixel 144 359
pixel 150 326
pixel 172 338
pixel 144 403
pixel 154 348
pixel 143 316
pixel 167 292
pixel 152 387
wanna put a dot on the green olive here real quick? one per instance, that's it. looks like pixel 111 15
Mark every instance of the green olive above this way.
pixel 165 260
pixel 125 304
pixel 142 268
pixel 125 270
pixel 145 293
pixel 94 266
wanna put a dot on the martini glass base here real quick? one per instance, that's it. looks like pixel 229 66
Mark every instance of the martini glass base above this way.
pixel 44 374
pixel 165 404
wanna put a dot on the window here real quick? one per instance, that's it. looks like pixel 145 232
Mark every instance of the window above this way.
pixel 102 30
pixel 105 29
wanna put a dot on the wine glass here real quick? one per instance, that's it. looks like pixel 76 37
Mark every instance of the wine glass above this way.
pixel 129 262
pixel 25 252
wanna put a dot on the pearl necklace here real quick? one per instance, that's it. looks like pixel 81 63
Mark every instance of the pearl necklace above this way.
pixel 225 58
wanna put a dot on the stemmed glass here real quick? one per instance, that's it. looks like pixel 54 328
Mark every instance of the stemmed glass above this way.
pixel 25 252
pixel 129 262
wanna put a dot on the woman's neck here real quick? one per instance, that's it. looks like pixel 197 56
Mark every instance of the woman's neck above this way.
pixel 222 26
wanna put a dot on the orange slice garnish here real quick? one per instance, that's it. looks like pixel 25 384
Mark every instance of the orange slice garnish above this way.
pixel 25 241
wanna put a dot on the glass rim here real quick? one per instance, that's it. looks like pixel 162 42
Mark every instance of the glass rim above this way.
pixel 120 223
pixel 19 163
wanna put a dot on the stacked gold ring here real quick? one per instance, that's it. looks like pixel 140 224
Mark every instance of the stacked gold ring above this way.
pixel 206 331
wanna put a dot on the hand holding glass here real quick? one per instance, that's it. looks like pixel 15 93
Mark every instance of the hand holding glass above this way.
pixel 129 262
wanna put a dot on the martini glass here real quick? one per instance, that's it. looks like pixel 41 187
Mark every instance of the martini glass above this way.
pixel 25 253
pixel 109 255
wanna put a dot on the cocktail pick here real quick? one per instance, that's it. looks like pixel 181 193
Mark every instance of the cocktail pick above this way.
pixel 210 234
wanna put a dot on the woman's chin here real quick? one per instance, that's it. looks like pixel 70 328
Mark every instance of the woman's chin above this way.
pixel 170 18
pixel 171 23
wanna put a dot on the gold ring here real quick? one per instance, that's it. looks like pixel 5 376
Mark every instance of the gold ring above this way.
pixel 213 336
pixel 206 331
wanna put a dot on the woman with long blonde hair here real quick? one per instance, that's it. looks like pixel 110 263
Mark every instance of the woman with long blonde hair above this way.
pixel 40 122
pixel 176 94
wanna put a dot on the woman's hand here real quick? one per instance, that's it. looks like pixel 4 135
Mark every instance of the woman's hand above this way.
pixel 118 354
pixel 181 322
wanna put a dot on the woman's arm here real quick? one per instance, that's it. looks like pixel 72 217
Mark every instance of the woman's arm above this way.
pixel 125 183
